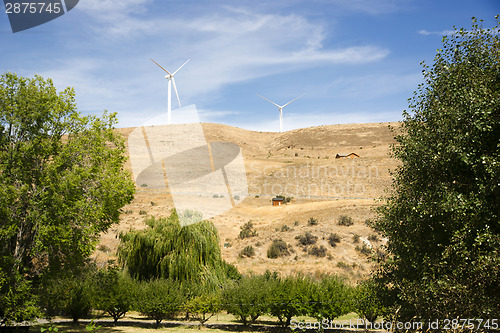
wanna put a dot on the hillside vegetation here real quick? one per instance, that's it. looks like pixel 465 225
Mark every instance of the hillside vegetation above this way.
pixel 299 164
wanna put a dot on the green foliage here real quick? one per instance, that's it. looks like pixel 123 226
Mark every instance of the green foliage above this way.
pixel 113 292
pixel 289 297
pixel 307 238
pixel 248 251
pixel 204 306
pixel 159 299
pixel 247 299
pixel 92 327
pixel 278 248
pixel 366 301
pixel 442 216
pixel 51 328
pixel 247 231
pixel 166 250
pixel 17 303
pixel 75 297
pixel 330 298
pixel 333 239
pixel 62 183
pixel 345 220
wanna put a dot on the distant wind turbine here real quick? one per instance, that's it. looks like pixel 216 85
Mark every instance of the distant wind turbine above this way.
pixel 280 107
pixel 171 80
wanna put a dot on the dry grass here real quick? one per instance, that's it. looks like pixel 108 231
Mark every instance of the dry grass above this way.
pixel 270 161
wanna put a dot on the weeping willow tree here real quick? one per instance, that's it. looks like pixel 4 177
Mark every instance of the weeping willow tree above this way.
pixel 166 250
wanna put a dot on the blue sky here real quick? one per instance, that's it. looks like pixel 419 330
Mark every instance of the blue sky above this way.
pixel 355 60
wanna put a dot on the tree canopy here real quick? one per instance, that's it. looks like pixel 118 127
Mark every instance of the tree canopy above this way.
pixel 442 217
pixel 62 182
pixel 167 250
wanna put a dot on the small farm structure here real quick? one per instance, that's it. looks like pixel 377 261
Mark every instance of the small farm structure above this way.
pixel 351 155
pixel 277 201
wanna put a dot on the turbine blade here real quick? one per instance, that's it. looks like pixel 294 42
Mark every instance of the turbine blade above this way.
pixel 176 93
pixel 181 66
pixel 269 101
pixel 293 100
pixel 160 66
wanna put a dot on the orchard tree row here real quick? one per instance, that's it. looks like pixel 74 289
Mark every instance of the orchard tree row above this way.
pixel 112 292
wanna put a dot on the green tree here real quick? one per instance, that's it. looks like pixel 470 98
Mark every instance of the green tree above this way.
pixel 290 297
pixel 113 292
pixel 167 250
pixel 330 298
pixel 62 182
pixel 366 301
pixel 442 217
pixel 204 306
pixel 159 299
pixel 247 298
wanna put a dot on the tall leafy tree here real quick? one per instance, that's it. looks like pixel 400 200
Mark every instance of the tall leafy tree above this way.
pixel 290 297
pixel 331 297
pixel 247 298
pixel 442 217
pixel 167 250
pixel 113 292
pixel 62 182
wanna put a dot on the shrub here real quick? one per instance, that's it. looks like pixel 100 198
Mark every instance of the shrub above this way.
pixel 345 220
pixel 364 249
pixel 285 228
pixel 142 212
pixel 307 238
pixel 285 199
pixel 333 239
pixel 68 296
pixel 317 251
pixel 153 203
pixel 355 238
pixel 343 265
pixel 373 238
pixel 278 248
pixel 248 251
pixel 312 221
pixel 247 231
pixel 296 223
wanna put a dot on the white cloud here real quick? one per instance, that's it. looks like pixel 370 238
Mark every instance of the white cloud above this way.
pixel 439 33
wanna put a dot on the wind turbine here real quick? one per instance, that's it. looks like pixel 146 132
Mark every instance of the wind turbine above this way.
pixel 171 80
pixel 280 107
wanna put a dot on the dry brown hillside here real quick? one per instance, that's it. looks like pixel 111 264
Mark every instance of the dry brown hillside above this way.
pixel 299 164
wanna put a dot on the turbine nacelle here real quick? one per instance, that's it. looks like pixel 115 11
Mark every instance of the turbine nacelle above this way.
pixel 171 81
pixel 280 108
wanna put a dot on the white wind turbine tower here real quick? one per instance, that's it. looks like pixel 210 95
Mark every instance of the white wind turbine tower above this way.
pixel 280 107
pixel 171 80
